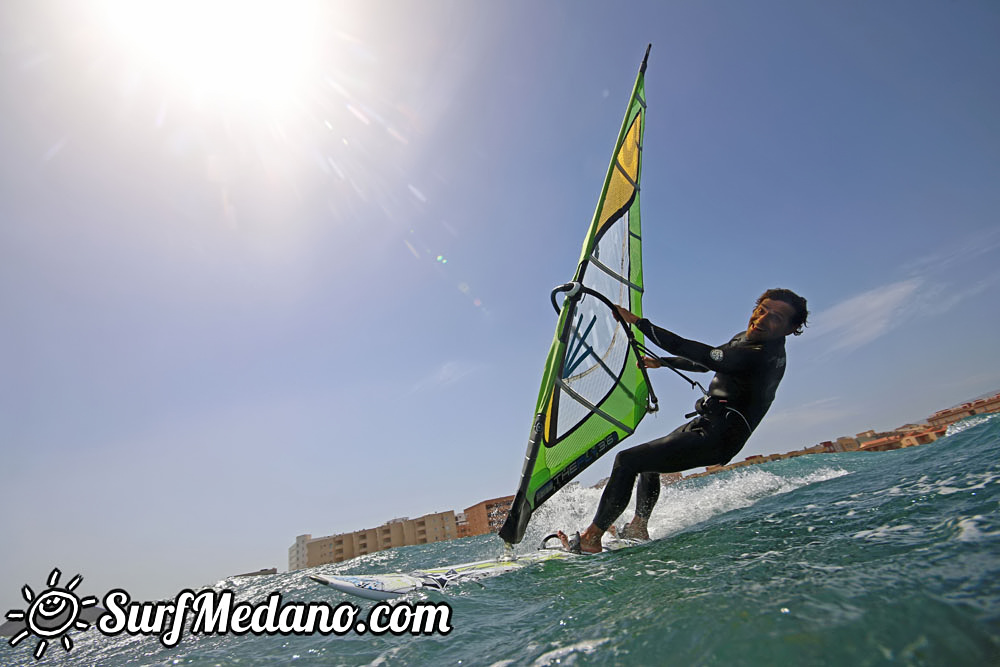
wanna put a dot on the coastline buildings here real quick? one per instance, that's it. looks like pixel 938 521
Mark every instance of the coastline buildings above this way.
pixel 309 552
pixel 484 517
pixel 481 518
pixel 977 407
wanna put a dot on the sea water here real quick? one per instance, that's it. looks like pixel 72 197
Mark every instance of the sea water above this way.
pixel 859 558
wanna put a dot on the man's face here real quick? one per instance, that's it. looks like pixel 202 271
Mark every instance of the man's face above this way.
pixel 772 319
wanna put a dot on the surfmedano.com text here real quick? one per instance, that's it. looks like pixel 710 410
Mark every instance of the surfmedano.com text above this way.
pixel 215 612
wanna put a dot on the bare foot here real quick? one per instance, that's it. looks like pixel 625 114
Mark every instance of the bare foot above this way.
pixel 636 529
pixel 590 540
pixel 581 542
pixel 564 539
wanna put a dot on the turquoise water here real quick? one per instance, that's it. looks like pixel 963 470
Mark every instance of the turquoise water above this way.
pixel 842 559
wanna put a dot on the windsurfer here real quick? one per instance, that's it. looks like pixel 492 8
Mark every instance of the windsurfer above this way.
pixel 747 371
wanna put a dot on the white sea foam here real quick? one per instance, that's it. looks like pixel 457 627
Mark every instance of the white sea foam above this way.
pixel 680 505
pixel 883 532
pixel 557 656
pixel 926 486
pixel 969 422
pixel 973 529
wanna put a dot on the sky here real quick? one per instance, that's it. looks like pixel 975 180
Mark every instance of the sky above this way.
pixel 269 269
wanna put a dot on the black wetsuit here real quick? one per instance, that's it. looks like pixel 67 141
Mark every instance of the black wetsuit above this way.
pixel 746 377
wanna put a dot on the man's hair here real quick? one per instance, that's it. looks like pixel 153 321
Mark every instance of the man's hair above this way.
pixel 793 300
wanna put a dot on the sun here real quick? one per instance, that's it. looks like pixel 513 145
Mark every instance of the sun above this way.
pixel 233 53
pixel 52 614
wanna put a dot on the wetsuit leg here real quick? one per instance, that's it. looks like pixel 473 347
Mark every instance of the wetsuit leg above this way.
pixel 697 443
pixel 647 492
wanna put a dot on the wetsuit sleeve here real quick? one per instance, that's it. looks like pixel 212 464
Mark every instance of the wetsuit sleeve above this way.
pixel 682 364
pixel 727 360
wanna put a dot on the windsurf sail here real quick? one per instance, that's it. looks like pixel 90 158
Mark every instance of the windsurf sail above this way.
pixel 593 392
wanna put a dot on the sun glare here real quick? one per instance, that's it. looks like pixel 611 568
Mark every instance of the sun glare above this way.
pixel 227 52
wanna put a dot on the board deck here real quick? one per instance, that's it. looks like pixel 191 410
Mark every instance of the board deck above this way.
pixel 393 585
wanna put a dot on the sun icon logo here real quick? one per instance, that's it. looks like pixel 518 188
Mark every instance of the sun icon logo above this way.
pixel 52 614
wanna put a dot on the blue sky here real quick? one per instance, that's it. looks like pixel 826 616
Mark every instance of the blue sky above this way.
pixel 301 286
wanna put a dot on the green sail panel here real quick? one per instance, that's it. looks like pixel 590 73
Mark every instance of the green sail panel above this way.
pixel 593 394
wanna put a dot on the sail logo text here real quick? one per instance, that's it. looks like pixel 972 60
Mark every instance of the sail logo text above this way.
pixel 217 612
pixel 563 477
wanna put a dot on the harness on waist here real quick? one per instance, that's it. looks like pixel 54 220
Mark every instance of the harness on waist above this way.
pixel 713 407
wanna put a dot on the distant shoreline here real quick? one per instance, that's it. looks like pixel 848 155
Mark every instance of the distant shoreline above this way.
pixel 908 435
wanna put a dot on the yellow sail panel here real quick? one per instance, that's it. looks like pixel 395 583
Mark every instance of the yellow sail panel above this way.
pixel 625 175
pixel 549 422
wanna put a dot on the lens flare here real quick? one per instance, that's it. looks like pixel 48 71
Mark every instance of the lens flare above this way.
pixel 230 52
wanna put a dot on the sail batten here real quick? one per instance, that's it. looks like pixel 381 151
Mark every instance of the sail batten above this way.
pixel 625 174
pixel 596 410
pixel 594 392
pixel 622 279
